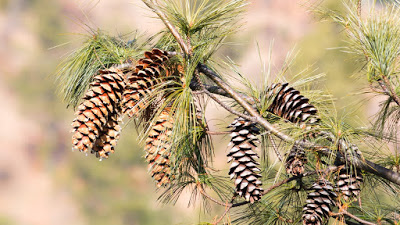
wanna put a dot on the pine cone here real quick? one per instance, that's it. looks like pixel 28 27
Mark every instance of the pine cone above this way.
pixel 143 79
pixel 290 105
pixel 349 183
pixel 98 113
pixel 296 160
pixel 108 138
pixel 319 203
pixel 243 158
pixel 158 148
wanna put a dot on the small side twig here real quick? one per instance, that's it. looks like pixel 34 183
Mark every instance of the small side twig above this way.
pixel 346 213
pixel 211 198
pixel 223 215
pixel 217 132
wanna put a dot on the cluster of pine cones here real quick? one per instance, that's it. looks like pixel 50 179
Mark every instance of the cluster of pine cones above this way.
pixel 125 90
pixel 290 105
pixel 117 91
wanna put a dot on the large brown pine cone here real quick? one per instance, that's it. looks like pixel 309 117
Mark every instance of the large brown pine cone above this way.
pixel 158 148
pixel 142 80
pixel 97 116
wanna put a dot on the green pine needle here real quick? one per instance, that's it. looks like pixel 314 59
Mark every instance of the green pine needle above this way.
pixel 99 51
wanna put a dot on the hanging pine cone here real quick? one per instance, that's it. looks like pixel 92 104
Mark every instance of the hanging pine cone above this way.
pixel 290 105
pixel 97 116
pixel 107 140
pixel 158 149
pixel 244 159
pixel 349 183
pixel 296 160
pixel 319 203
pixel 143 79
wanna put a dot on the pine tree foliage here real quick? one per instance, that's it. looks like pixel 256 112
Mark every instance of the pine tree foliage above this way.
pixel 164 84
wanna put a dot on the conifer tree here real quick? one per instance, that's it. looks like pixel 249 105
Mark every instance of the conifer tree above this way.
pixel 323 171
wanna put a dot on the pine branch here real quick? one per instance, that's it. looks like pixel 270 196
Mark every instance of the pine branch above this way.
pixel 152 5
pixel 364 165
pixel 259 119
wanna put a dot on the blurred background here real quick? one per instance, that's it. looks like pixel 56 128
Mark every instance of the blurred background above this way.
pixel 42 182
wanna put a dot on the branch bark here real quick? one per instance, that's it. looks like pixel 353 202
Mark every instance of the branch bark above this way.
pixel 233 94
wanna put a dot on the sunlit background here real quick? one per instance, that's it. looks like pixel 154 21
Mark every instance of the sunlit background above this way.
pixel 42 182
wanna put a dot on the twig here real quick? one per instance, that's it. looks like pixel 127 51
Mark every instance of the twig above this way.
pixel 229 109
pixel 211 198
pixel 346 213
pixel 217 132
pixel 174 32
pixel 214 77
pixel 224 214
